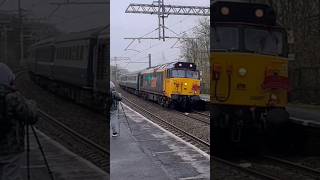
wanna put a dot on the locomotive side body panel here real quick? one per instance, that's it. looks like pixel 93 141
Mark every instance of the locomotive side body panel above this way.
pixel 152 82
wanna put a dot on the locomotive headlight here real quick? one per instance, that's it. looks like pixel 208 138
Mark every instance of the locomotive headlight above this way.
pixel 190 65
pixel 185 84
pixel 242 72
pixel 225 11
pixel 259 13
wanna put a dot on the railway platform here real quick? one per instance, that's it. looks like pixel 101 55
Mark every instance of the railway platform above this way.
pixel 205 97
pixel 306 116
pixel 64 164
pixel 143 150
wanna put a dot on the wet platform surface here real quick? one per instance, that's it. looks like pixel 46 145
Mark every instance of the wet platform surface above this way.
pixel 205 97
pixel 305 116
pixel 150 152
pixel 64 164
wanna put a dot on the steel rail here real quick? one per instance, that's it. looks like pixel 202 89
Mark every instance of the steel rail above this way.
pixel 294 165
pixel 247 170
pixel 169 124
pixel 74 133
pixel 198 119
pixel 202 114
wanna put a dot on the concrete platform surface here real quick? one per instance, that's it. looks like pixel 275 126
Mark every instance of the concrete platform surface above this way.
pixel 64 164
pixel 304 115
pixel 205 97
pixel 152 153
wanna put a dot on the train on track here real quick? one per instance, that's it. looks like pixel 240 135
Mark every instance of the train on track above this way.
pixel 249 75
pixel 175 84
pixel 74 65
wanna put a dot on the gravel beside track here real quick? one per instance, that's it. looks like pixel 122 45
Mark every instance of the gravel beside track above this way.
pixel 87 123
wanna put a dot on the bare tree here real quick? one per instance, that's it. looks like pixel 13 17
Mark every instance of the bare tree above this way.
pixel 303 19
pixel 197 50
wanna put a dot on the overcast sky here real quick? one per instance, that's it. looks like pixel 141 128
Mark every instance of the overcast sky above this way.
pixel 136 25
pixel 69 18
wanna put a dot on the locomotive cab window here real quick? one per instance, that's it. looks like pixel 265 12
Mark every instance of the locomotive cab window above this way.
pixel 192 74
pixel 225 38
pixel 181 73
pixel 261 41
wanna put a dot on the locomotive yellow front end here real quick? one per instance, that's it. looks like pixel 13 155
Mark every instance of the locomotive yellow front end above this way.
pixel 182 85
pixel 249 76
pixel 243 79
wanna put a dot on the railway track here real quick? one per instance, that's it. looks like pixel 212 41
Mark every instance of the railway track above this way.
pixel 272 168
pixel 71 139
pixel 88 149
pixel 202 114
pixel 204 145
pixel 296 166
pixel 198 116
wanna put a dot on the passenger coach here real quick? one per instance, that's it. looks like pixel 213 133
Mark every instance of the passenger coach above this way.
pixel 74 65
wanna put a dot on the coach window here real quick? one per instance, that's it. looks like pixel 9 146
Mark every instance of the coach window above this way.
pixel 60 53
pixel 77 53
pixel 72 53
pixel 81 52
pixel 63 53
pixel 69 53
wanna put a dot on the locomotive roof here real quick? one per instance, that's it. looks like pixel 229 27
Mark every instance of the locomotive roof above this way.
pixel 159 68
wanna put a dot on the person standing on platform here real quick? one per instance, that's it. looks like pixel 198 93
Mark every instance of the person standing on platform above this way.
pixel 15 113
pixel 116 98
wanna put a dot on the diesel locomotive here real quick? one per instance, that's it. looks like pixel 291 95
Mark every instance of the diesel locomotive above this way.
pixel 249 74
pixel 172 84
pixel 74 65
